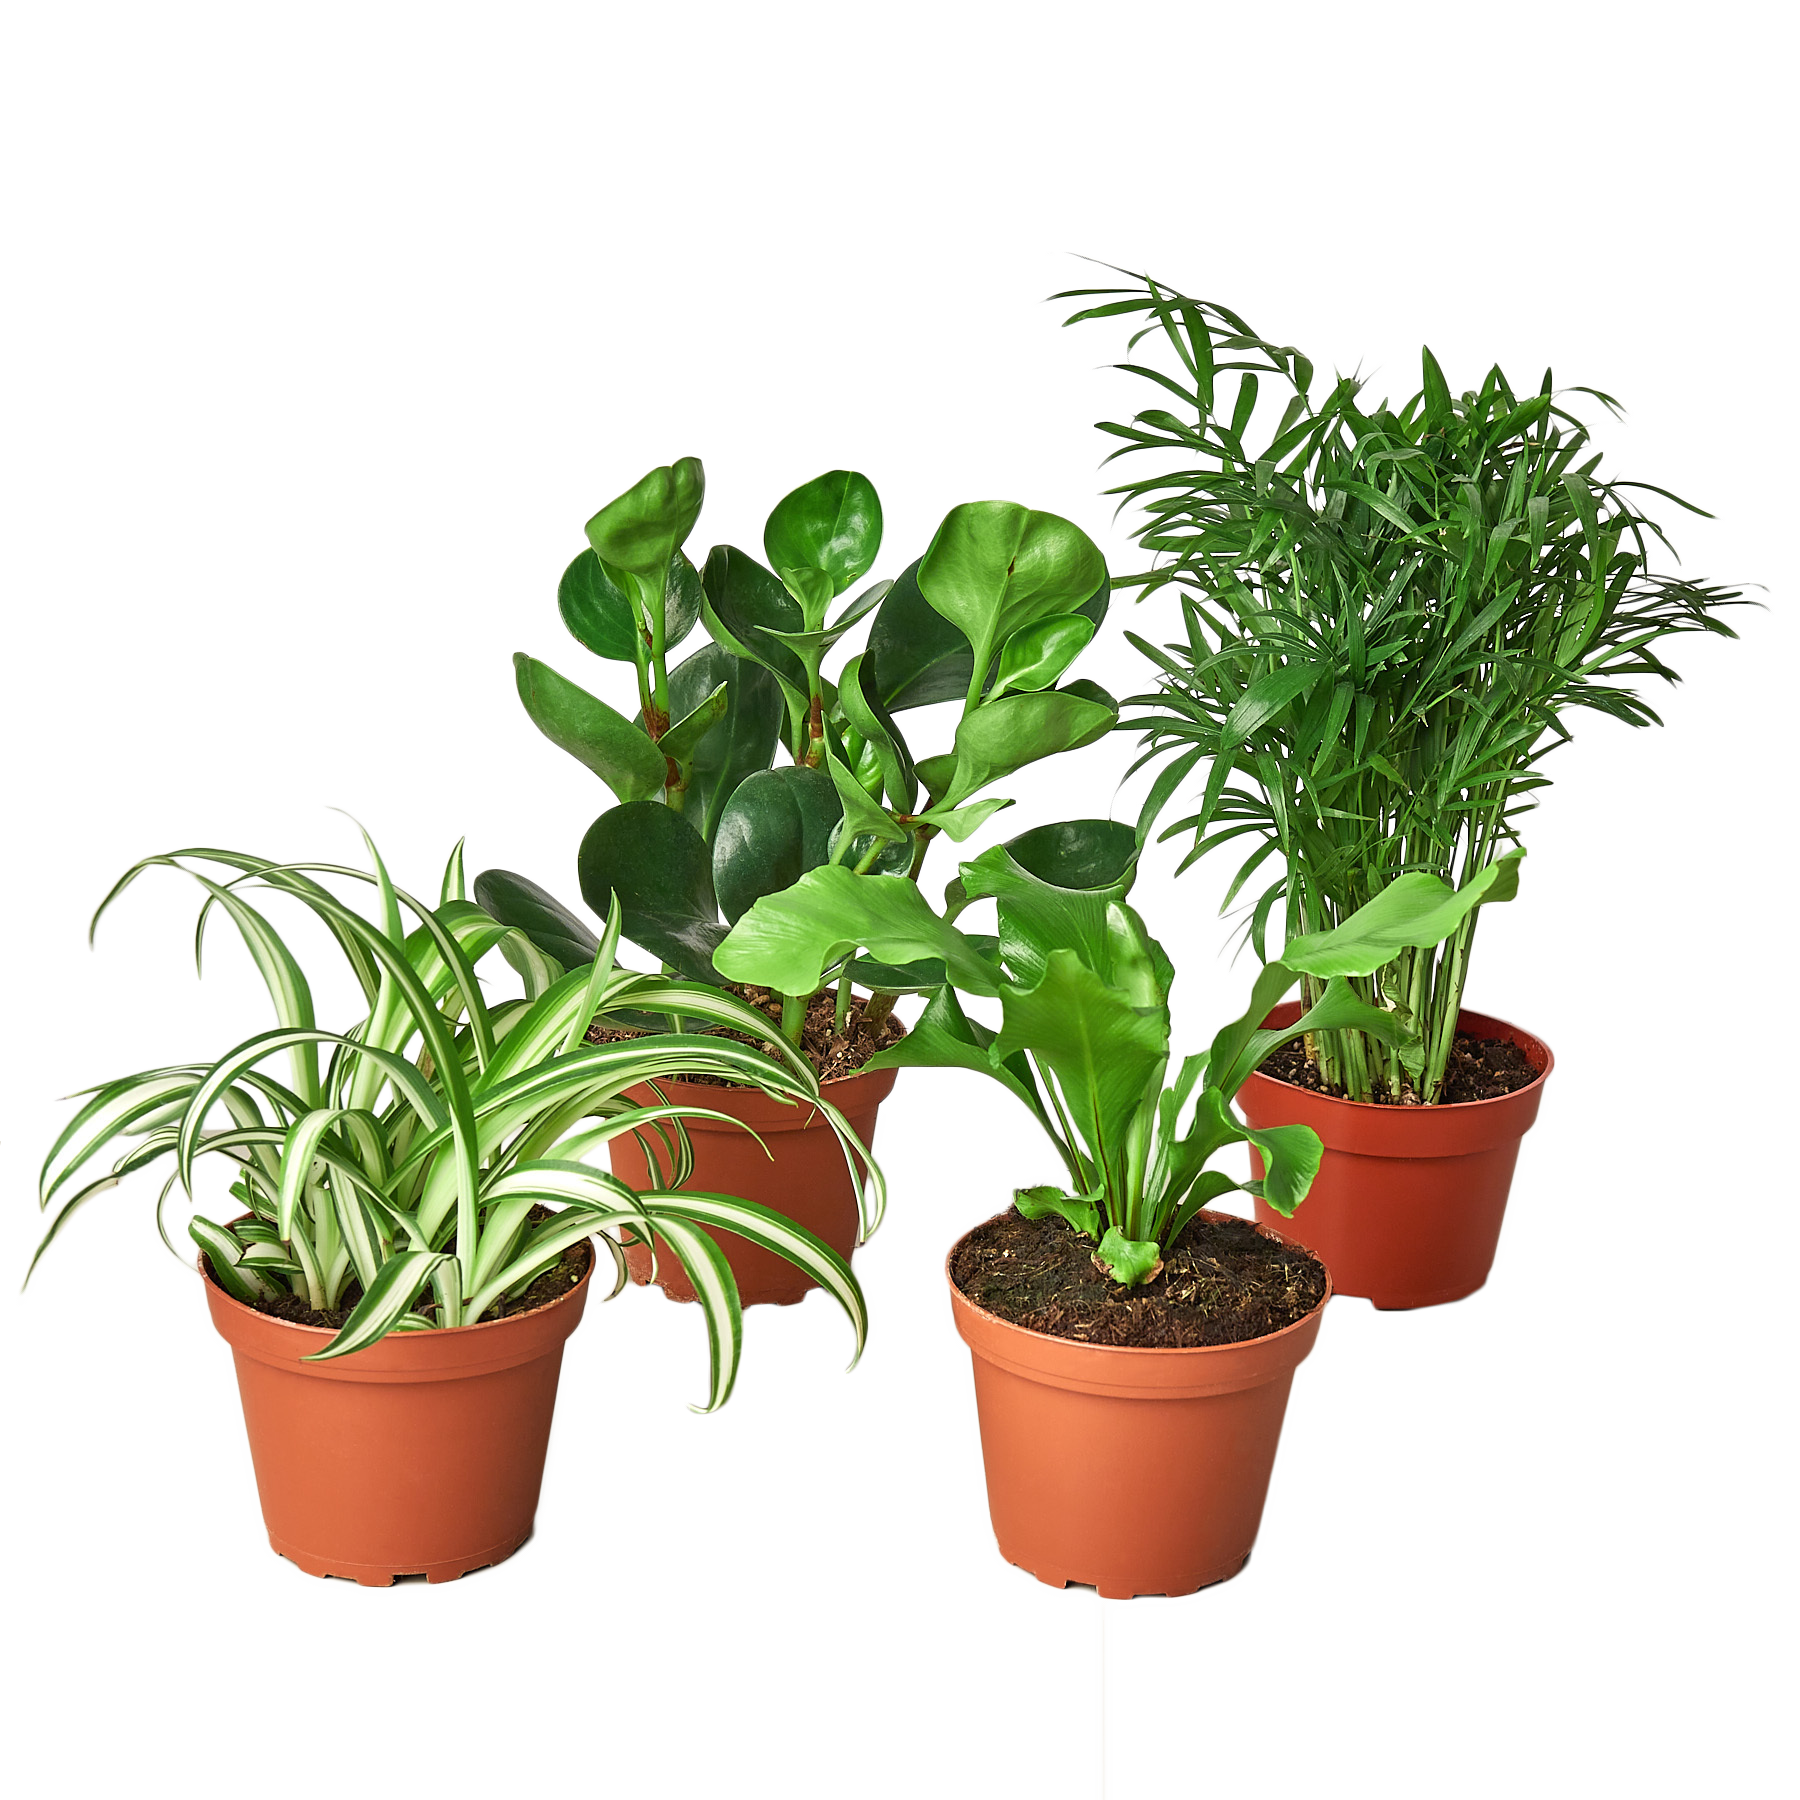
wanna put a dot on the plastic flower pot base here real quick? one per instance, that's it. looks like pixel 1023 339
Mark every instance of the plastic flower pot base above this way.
pixel 1407 1205
pixel 421 1455
pixel 1134 1471
pixel 803 1175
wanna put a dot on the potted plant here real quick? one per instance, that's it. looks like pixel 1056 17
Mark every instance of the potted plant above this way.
pixel 1390 615
pixel 1132 1351
pixel 706 823
pixel 414 1217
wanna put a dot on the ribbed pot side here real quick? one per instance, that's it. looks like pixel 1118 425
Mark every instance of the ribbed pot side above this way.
pixel 1133 1471
pixel 1408 1202
pixel 421 1455
pixel 803 1175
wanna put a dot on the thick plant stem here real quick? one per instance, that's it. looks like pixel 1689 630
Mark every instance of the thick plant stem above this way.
pixel 793 1016
pixel 842 1016
pixel 921 841
pixel 878 1006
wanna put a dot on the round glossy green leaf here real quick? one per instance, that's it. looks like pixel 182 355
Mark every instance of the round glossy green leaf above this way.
pixel 741 743
pixel 776 826
pixel 918 657
pixel 595 609
pixel 642 529
pixel 832 525
pixel 994 568
pixel 598 614
pixel 514 900
pixel 1099 855
pixel 659 867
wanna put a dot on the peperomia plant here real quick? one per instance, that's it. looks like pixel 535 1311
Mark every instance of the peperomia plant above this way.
pixel 432 1167
pixel 1083 1038
pixel 1389 612
pixel 992 617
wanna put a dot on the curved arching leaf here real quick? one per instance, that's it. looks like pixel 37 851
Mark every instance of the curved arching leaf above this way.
pixel 1037 656
pixel 661 870
pixel 862 706
pixel 744 739
pixel 1414 910
pixel 746 606
pixel 776 826
pixel 916 655
pixel 1000 736
pixel 1047 902
pixel 1096 855
pixel 788 940
pixel 605 741
pixel 519 902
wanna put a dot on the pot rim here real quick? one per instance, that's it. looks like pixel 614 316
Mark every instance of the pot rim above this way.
pixel 744 1087
pixel 440 1332
pixel 1306 1323
pixel 1444 1108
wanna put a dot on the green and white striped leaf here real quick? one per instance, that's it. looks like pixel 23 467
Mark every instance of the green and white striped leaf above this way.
pixel 393 1293
pixel 771 1231
pixel 226 1257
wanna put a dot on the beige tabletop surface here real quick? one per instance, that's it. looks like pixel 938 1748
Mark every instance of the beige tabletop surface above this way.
pixel 1516 1548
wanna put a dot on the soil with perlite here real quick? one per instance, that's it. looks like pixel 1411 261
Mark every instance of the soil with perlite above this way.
pixel 1480 1069
pixel 835 1055
pixel 551 1285
pixel 1222 1282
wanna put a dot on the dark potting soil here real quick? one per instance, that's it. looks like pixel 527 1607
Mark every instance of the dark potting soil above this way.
pixel 1480 1069
pixel 551 1285
pixel 833 1054
pixel 1222 1282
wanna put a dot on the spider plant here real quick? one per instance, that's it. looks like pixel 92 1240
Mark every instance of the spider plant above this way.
pixel 1388 614
pixel 1084 1036
pixel 992 616
pixel 426 1165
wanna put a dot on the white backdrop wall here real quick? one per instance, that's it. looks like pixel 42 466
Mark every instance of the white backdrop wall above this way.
pixel 274 522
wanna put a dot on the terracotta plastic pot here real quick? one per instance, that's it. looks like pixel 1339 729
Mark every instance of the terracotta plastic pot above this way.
pixel 1406 1208
pixel 421 1455
pixel 803 1175
pixel 1134 1471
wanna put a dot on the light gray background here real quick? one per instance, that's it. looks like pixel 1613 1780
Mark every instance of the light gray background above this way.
pixel 272 524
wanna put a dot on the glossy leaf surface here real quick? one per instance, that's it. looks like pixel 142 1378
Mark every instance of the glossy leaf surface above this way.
pixel 519 902
pixel 1098 855
pixel 918 657
pixel 1001 736
pixel 746 605
pixel 661 870
pixel 831 526
pixel 599 616
pixel 776 826
pixel 744 739
pixel 1038 656
pixel 650 521
pixel 788 940
pixel 599 738
pixel 995 568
